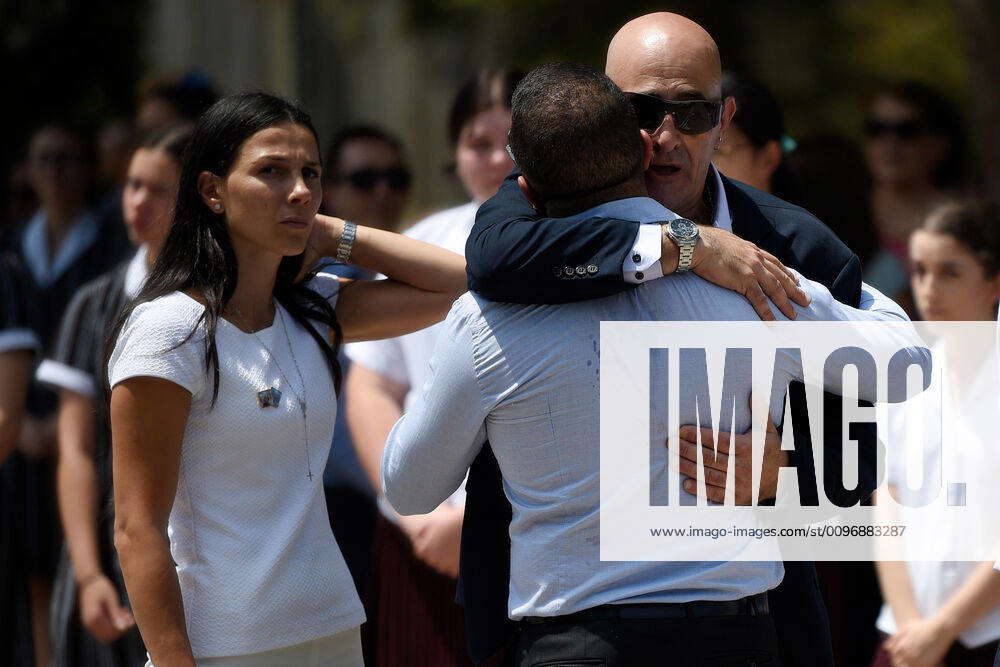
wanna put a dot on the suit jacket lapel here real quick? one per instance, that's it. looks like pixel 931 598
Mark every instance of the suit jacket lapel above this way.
pixel 748 222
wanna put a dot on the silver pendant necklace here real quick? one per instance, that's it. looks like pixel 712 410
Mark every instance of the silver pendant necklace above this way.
pixel 271 397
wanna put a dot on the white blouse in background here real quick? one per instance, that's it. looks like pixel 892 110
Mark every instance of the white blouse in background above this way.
pixel 935 582
pixel 257 562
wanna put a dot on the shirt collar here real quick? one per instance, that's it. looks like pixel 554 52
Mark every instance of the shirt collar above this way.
pixel 645 209
pixel 723 219
pixel 637 209
pixel 35 246
pixel 135 274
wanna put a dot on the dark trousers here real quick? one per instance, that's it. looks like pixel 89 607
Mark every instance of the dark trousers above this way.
pixel 719 641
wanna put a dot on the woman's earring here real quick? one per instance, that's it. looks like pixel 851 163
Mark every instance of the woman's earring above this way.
pixel 217 207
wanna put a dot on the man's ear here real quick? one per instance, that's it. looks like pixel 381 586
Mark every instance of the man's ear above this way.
pixel 530 194
pixel 770 155
pixel 647 149
pixel 210 190
pixel 728 111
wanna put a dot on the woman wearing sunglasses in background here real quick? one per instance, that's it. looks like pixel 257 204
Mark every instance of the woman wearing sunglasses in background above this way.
pixel 416 557
pixel 915 150
pixel 368 181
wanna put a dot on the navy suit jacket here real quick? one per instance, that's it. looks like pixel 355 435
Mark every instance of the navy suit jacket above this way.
pixel 513 255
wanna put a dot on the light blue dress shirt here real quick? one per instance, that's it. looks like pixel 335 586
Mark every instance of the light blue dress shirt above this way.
pixel 526 378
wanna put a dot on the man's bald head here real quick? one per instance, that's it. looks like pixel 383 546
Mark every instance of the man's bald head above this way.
pixel 664 45
pixel 671 57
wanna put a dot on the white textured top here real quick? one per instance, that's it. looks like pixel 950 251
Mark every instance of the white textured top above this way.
pixel 934 582
pixel 257 563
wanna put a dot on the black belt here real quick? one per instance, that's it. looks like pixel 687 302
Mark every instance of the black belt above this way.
pixel 752 605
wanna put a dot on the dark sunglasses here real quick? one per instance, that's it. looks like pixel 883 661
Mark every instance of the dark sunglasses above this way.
pixel 901 129
pixel 690 116
pixel 397 178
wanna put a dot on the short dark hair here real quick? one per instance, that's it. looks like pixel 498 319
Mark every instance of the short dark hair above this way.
pixel 189 95
pixel 974 224
pixel 486 89
pixel 171 139
pixel 759 117
pixel 573 131
pixel 360 132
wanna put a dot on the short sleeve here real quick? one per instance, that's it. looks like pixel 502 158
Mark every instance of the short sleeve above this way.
pixel 15 332
pixel 327 285
pixel 156 341
pixel 73 365
pixel 384 357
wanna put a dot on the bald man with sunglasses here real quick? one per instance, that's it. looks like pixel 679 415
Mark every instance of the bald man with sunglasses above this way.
pixel 670 69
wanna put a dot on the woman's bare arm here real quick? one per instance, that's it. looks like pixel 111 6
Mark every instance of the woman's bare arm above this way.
pixel 77 484
pixel 148 416
pixel 15 373
pixel 79 495
pixel 894 577
pixel 979 595
pixel 423 281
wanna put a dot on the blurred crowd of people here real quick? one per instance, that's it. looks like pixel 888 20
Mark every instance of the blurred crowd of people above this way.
pixel 86 215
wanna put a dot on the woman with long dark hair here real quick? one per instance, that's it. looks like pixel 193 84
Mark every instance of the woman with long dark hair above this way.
pixel 224 379
pixel 90 620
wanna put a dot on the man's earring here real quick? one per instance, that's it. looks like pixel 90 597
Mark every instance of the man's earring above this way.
pixel 217 206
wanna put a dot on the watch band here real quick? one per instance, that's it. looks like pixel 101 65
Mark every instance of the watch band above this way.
pixel 685 246
pixel 686 255
pixel 346 244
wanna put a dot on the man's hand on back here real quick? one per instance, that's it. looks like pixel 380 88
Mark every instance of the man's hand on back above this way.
pixel 726 260
pixel 716 463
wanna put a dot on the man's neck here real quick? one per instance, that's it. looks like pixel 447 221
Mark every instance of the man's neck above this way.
pixel 563 208
pixel 703 211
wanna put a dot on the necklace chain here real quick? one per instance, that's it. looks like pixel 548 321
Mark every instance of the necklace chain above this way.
pixel 300 399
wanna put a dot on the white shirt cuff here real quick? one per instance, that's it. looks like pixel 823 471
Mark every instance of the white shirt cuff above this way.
pixel 643 261
pixel 63 376
pixel 18 339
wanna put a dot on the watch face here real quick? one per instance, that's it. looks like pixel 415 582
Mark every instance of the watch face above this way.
pixel 683 229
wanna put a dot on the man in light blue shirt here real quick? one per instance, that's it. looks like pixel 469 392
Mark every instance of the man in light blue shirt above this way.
pixel 526 378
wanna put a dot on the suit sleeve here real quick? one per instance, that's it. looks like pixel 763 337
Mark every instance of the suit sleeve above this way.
pixel 514 255
pixel 846 288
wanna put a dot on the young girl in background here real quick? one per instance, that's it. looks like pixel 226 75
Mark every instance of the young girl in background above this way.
pixel 945 613
pixel 90 619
